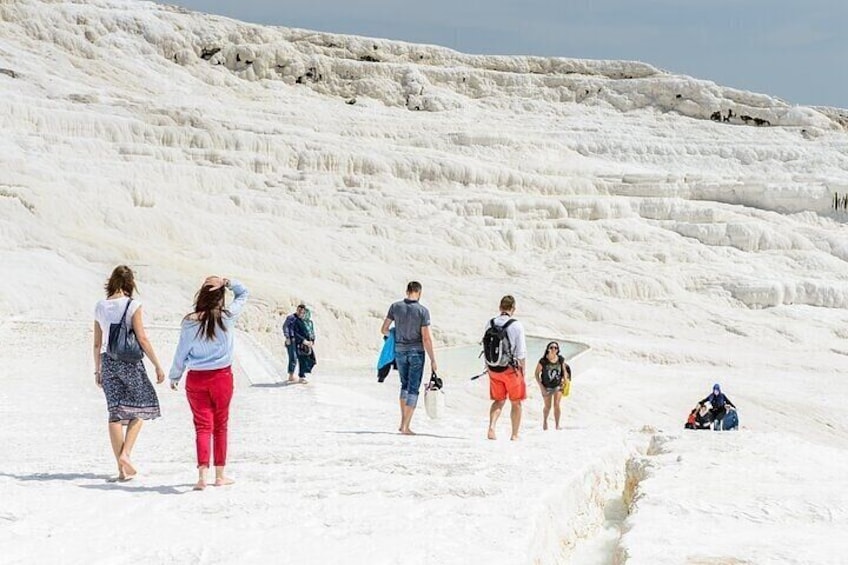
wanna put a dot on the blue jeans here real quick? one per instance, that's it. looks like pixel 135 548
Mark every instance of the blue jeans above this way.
pixel 291 349
pixel 410 365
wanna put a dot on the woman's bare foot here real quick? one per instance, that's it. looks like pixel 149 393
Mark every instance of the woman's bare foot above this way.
pixel 407 432
pixel 491 434
pixel 514 438
pixel 126 467
pixel 120 477
pixel 223 481
pixel 201 484
pixel 545 425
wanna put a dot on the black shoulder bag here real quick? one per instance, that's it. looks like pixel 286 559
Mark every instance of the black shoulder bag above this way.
pixel 123 345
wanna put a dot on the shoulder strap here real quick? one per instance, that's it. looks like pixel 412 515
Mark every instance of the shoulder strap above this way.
pixel 124 317
pixel 508 322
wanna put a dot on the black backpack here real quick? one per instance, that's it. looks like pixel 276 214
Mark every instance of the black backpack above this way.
pixel 496 347
pixel 122 344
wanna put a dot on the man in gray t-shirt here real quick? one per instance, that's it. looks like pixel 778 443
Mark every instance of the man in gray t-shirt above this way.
pixel 409 317
pixel 412 339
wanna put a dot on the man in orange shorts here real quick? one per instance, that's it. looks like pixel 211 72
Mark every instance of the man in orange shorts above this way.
pixel 505 349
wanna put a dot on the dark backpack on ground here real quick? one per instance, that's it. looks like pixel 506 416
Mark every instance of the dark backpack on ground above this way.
pixel 122 344
pixel 496 347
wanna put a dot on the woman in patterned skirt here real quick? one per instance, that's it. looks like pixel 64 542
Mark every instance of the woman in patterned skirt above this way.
pixel 130 396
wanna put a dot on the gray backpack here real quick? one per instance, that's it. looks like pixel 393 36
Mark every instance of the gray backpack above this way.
pixel 496 347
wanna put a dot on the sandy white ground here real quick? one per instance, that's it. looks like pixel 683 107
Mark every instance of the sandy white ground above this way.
pixel 683 250
pixel 322 476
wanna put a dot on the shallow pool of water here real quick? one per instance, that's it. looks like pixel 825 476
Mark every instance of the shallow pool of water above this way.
pixel 466 361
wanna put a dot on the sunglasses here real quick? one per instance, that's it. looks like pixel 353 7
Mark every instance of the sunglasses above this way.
pixel 553 348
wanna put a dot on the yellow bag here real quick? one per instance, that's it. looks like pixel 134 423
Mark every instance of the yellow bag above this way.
pixel 566 387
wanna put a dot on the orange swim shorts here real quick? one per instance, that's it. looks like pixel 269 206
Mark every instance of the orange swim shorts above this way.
pixel 509 384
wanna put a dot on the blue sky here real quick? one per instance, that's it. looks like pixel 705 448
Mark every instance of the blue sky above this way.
pixel 796 50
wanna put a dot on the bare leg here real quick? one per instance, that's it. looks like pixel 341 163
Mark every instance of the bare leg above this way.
pixel 402 406
pixel 547 411
pixel 201 477
pixel 406 420
pixel 116 437
pixel 494 414
pixel 124 462
pixel 557 409
pixel 515 416
pixel 221 480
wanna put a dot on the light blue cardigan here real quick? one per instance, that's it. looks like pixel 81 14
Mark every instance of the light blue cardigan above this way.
pixel 196 352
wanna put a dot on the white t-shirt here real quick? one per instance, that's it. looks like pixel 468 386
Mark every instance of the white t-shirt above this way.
pixel 108 312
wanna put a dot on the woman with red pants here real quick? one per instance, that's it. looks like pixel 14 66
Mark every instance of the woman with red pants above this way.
pixel 206 350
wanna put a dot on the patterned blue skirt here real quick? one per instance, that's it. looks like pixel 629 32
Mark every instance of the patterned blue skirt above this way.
pixel 129 393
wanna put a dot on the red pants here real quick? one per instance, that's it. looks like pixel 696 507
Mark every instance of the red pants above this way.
pixel 209 394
